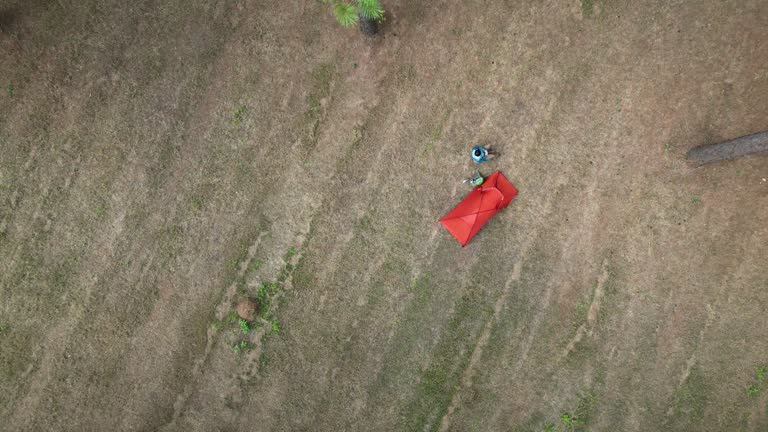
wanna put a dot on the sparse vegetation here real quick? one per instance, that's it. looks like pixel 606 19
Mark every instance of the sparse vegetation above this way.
pixel 254 265
pixel 262 304
pixel 291 253
pixel 570 421
pixel 274 327
pixel 161 159
pixel 691 398
pixel 239 114
pixel 242 346
pixel 761 374
pixel 197 203
pixel 753 390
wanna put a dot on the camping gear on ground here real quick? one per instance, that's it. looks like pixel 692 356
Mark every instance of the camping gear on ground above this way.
pixel 475 180
pixel 477 208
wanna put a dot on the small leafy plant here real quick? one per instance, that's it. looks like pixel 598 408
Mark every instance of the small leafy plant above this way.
pixel 266 292
pixel 350 13
pixel 753 390
pixel 570 420
pixel 241 346
pixel 244 327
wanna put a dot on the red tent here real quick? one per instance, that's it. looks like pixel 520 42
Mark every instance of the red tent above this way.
pixel 466 219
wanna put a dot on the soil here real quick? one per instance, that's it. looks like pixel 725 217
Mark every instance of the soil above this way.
pixel 161 160
pixel 368 27
pixel 246 309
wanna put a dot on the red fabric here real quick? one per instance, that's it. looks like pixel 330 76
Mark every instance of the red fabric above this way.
pixel 477 208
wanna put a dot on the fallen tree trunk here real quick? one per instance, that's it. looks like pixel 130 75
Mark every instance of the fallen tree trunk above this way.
pixel 731 149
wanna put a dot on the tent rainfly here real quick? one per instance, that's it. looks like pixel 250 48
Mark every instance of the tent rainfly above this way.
pixel 477 208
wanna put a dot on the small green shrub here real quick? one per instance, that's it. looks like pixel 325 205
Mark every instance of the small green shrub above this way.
pixel 274 327
pixel 753 390
pixel 761 373
pixel 241 346
pixel 239 114
pixel 244 327
pixel 348 14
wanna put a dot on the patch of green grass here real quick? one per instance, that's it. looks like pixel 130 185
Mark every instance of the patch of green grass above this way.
pixel 420 287
pixel 233 317
pixel 321 86
pixel 320 89
pixel 3 329
pixel 570 420
pixel 670 147
pixel 290 253
pixel 436 133
pixel 254 265
pixel 265 295
pixel 578 418
pixel 582 308
pixel 101 211
pixel 587 7
pixel 239 115
pixel 263 362
pixel 695 200
pixel 365 224
pixel 242 346
pixel 451 356
pixel 197 203
pixel 164 156
pixel 10 90
pixel 171 240
pixel 691 398
pixel 753 390
pixel 289 267
pixel 274 327
pixel 406 73
pixel 241 256
pixel 762 372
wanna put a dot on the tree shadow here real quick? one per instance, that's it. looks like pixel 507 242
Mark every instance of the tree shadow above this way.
pixel 8 17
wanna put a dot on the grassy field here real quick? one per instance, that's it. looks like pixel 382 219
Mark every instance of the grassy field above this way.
pixel 162 161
